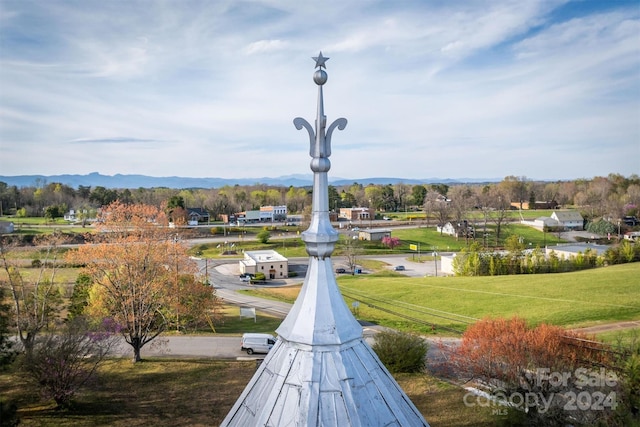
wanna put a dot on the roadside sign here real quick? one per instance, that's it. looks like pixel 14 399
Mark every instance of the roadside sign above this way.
pixel 413 247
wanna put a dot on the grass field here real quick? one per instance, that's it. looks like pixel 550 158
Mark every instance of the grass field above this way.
pixel 165 392
pixel 429 239
pixel 576 299
pixel 231 323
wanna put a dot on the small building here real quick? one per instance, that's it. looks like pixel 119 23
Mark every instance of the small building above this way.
pixel 75 215
pixel 460 229
pixel 6 227
pixel 354 214
pixel 269 262
pixel 70 216
pixel 446 264
pixel 542 223
pixel 374 234
pixel 228 219
pixel 570 250
pixel 571 220
pixel 248 217
pixel 634 236
pixel 294 220
pixel 198 215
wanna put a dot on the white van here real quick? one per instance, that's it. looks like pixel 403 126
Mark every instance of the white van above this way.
pixel 257 343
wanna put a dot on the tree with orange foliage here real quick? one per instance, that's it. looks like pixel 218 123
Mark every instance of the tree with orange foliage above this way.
pixel 539 370
pixel 142 275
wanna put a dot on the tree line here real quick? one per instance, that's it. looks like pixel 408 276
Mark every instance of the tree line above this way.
pixel 613 196
pixel 476 261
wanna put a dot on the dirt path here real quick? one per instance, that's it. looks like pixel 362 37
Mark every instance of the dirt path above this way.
pixel 618 326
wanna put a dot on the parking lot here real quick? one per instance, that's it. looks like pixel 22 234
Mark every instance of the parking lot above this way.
pixel 414 266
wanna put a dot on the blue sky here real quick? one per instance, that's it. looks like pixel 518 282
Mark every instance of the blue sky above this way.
pixel 545 89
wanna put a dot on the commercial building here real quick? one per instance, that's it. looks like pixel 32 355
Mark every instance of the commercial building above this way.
pixel 269 262
pixel 354 214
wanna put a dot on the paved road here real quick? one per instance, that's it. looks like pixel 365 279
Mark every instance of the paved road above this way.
pixel 226 347
pixel 218 347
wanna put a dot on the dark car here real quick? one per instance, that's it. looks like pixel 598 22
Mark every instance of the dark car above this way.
pixel 399 268
pixel 340 270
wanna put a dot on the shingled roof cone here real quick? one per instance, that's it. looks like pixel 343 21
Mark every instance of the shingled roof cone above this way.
pixel 321 372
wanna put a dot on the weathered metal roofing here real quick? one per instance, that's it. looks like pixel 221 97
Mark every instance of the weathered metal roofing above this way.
pixel 345 385
pixel 563 216
pixel 321 372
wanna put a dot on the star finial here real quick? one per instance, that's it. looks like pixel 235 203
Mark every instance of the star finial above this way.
pixel 320 60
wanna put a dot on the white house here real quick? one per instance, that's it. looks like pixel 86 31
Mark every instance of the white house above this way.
pixel 269 262
pixel 458 230
pixel 70 216
pixel 448 229
pixel 541 222
pixel 569 219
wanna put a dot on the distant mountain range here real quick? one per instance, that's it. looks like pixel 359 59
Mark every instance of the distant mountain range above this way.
pixel 95 179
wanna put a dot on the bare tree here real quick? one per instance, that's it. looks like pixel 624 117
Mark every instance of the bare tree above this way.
pixel 462 201
pixel 494 204
pixel 437 205
pixel 498 212
pixel 61 363
pixel 36 299
pixel 352 251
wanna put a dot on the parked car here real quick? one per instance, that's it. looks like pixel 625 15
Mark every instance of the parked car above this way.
pixel 245 278
pixel 399 268
pixel 257 343
pixel 340 270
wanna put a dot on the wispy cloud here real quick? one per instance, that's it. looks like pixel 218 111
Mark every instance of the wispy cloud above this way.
pixel 114 140
pixel 430 88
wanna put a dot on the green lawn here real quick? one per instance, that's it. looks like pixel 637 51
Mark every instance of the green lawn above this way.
pixel 600 295
pixel 231 324
pixel 430 239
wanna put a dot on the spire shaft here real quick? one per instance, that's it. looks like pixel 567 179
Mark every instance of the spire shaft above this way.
pixel 321 371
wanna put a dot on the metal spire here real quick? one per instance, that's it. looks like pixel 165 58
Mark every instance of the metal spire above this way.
pixel 321 371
